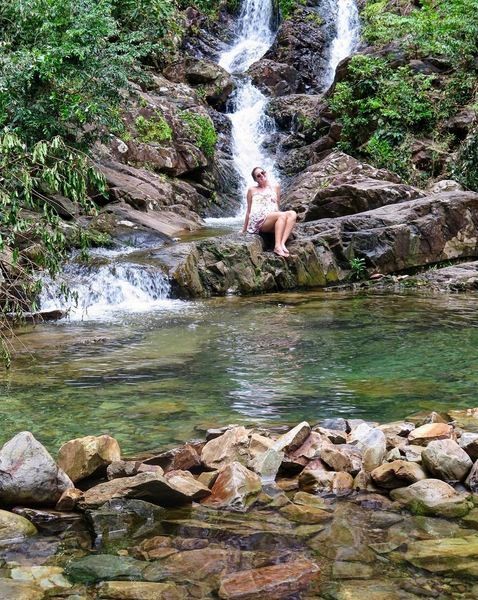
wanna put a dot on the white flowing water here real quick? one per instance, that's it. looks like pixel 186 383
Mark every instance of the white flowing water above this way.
pixel 347 37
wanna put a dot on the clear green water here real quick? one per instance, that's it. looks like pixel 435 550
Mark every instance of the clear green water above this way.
pixel 157 379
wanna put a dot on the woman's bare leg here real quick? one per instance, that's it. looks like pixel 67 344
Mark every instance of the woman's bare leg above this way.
pixel 291 218
pixel 276 222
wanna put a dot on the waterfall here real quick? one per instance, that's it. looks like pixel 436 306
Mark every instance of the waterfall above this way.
pixel 347 36
pixel 100 291
pixel 250 125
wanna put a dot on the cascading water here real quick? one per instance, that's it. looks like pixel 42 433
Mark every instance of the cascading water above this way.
pixel 347 36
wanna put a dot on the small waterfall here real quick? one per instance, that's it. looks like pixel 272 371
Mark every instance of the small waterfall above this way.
pixel 347 37
pixel 250 125
pixel 100 291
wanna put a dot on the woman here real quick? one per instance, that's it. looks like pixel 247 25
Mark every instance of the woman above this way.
pixel 263 213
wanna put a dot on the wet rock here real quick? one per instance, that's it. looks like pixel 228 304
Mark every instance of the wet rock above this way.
pixel 230 446
pixel 374 589
pixel 208 478
pixel 184 458
pixel 293 439
pixel 433 497
pixel 455 555
pixel 45 577
pixel 351 570
pixel 471 519
pixel 14 528
pixel 372 444
pixel 466 419
pixel 18 590
pixel 397 474
pixel 277 581
pixel 50 521
pixel 472 479
pixel 121 519
pixel 87 456
pixel 28 474
pixel 446 460
pixel 305 514
pixel 275 78
pixel 139 590
pixel 421 436
pixel 424 418
pixel 324 482
pixel 105 567
pixel 342 457
pixel 69 499
pixel 339 185
pixel 310 500
pixel 235 487
pixel 147 486
pixel 159 546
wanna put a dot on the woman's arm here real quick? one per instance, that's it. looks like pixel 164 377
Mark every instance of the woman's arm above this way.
pixel 249 204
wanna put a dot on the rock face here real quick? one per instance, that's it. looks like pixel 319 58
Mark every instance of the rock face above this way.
pixel 277 581
pixel 84 456
pixel 28 474
pixel 391 238
pixel 339 185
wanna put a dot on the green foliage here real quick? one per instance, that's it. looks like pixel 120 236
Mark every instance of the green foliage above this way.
pixel 288 7
pixel 155 129
pixel 358 268
pixel 378 106
pixel 201 128
pixel 446 28
pixel 465 168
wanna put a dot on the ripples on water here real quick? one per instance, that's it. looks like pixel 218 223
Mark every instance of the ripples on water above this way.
pixel 162 377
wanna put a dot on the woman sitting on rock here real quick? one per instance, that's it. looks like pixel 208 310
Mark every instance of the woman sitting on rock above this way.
pixel 263 214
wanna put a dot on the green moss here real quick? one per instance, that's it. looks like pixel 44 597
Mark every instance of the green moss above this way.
pixel 201 128
pixel 288 7
pixel 155 129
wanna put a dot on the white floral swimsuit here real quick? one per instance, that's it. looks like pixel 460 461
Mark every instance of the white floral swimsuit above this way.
pixel 264 202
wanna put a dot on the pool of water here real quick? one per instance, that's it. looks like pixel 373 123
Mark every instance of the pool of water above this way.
pixel 158 378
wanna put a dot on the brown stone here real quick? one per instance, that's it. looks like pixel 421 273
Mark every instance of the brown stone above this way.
pixel 184 458
pixel 85 456
pixel 139 590
pixel 293 439
pixel 193 565
pixel 432 431
pixel 69 499
pixel 230 446
pixel 397 474
pixel 433 497
pixel 305 514
pixel 342 457
pixel 274 582
pixel 234 487
pixel 318 481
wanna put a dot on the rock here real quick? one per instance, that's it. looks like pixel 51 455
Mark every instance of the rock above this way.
pixel 28 474
pixel 274 78
pixel 69 499
pixel 105 567
pixel 342 457
pixel 121 519
pixel 259 444
pixel 267 464
pixel 18 590
pixel 453 555
pixel 45 577
pixel 235 487
pixel 50 521
pixel 372 443
pixel 351 570
pixel 338 424
pixel 14 528
pixel 397 474
pixel 277 581
pixel 293 439
pixel 433 497
pixel 363 482
pixel 123 468
pixel 151 487
pixel 208 478
pixel 305 514
pixel 373 589
pixel 446 460
pixel 139 590
pixel 466 419
pixel 339 185
pixel 310 500
pixel 455 278
pixel 427 433
pixel 335 436
pixel 230 446
pixel 472 479
pixel 424 418
pixel 183 458
pixel 86 456
pixel 445 185
pixel 159 546
pixel 323 482
pixel 396 433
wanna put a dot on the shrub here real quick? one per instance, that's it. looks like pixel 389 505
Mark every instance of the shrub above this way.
pixel 155 129
pixel 201 128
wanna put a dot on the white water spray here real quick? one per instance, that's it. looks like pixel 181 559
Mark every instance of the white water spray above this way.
pixel 347 38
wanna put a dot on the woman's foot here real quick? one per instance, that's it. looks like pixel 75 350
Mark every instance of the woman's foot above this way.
pixel 280 252
pixel 285 251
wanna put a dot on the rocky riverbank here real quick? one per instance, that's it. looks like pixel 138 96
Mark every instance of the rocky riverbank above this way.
pixel 340 509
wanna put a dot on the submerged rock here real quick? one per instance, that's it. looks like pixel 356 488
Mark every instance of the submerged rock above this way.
pixel 28 474
pixel 86 456
pixel 139 590
pixel 453 555
pixel 105 567
pixel 277 581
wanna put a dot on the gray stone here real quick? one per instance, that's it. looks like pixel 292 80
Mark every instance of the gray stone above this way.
pixel 28 474
pixel 433 497
pixel 372 443
pixel 469 442
pixel 446 460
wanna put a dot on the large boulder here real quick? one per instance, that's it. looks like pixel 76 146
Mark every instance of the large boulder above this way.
pixel 341 185
pixel 397 473
pixel 85 456
pixel 445 459
pixel 231 446
pixel 28 474
pixel 276 79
